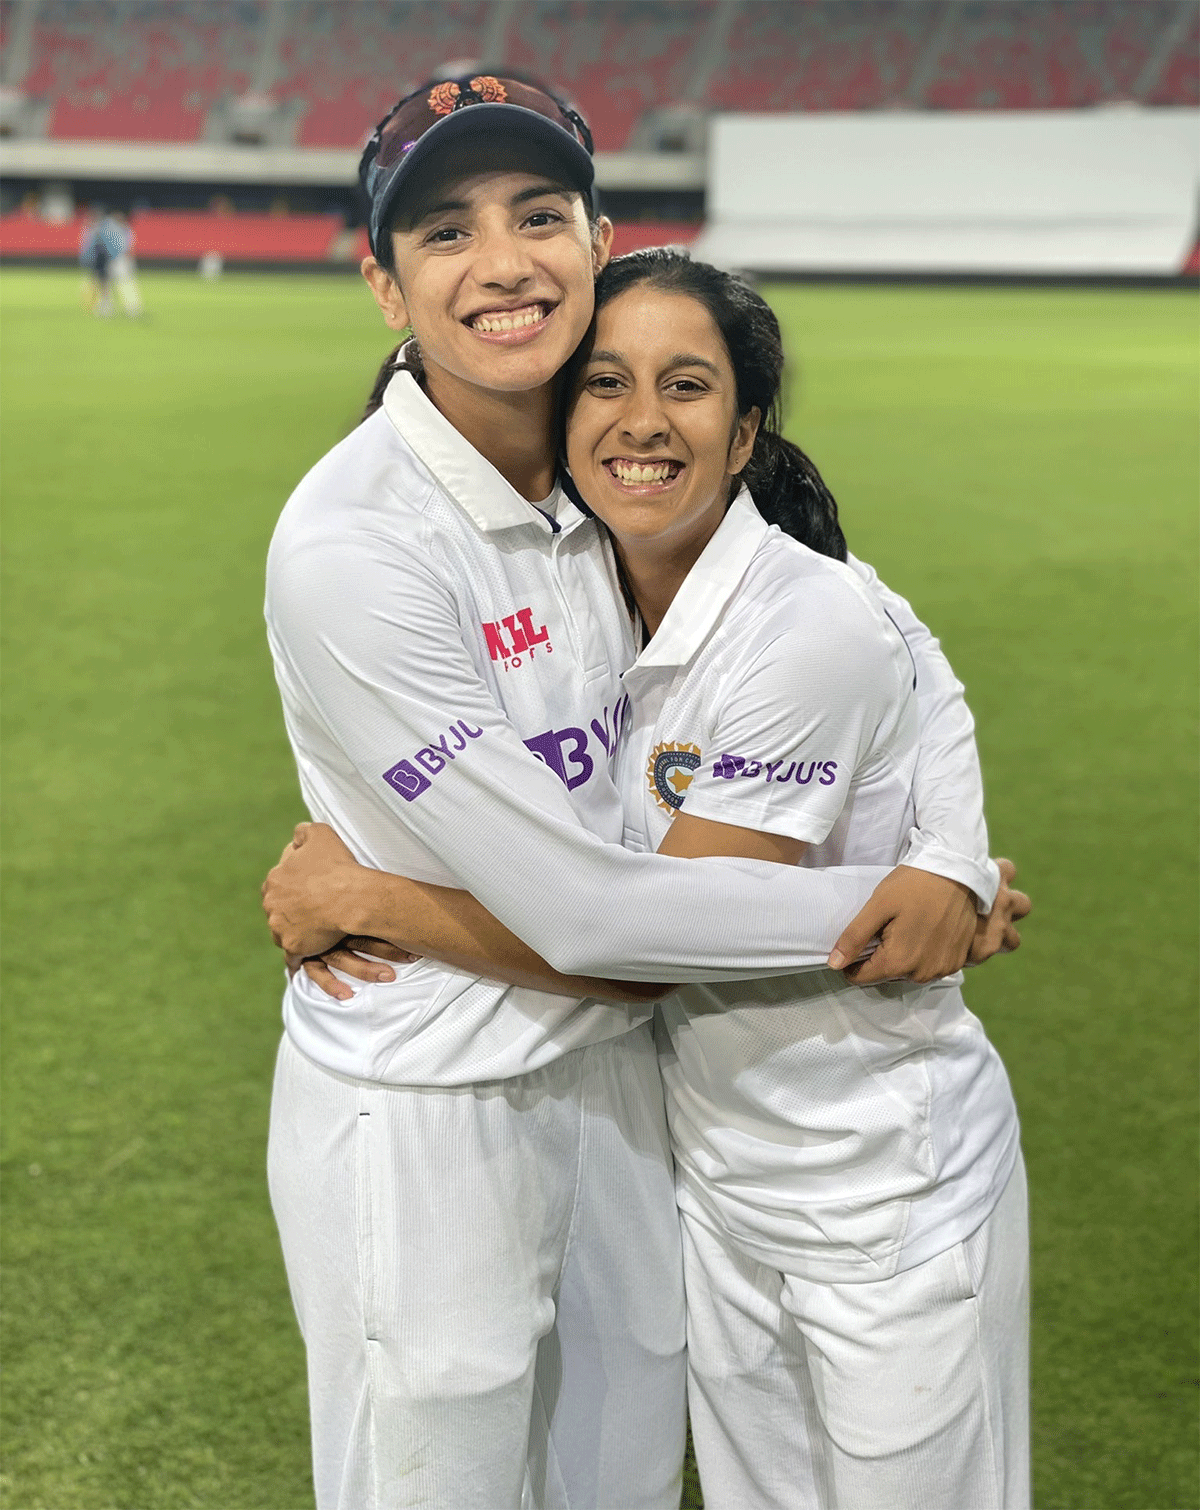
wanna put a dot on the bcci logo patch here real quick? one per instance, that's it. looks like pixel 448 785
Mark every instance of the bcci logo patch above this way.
pixel 670 774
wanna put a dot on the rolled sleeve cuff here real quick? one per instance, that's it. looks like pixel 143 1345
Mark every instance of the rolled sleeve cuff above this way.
pixel 981 877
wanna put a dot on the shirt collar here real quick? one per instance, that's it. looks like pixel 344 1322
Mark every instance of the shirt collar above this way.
pixel 466 475
pixel 708 587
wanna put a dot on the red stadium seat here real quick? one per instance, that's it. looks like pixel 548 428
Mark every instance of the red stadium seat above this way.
pixel 152 70
pixel 616 59
pixel 821 56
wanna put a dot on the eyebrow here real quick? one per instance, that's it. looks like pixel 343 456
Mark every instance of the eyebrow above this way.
pixel 460 206
pixel 539 191
pixel 677 359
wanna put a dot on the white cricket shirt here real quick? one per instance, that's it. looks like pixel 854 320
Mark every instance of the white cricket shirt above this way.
pixel 836 1132
pixel 449 660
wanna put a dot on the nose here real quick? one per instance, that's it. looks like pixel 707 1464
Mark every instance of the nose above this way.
pixel 643 419
pixel 504 261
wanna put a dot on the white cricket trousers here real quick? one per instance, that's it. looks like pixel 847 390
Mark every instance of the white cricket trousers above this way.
pixel 124 279
pixel 908 1393
pixel 489 1283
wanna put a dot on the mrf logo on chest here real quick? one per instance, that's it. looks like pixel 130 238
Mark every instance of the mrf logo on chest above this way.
pixel 513 639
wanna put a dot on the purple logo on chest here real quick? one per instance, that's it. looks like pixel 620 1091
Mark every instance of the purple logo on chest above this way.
pixel 566 751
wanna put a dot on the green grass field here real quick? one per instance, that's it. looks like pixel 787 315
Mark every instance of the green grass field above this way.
pixel 1022 464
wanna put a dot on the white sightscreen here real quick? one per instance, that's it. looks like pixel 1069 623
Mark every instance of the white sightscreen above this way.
pixel 1099 191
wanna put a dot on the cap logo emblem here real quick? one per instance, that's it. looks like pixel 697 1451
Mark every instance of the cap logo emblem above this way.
pixel 489 89
pixel 447 97
pixel 442 98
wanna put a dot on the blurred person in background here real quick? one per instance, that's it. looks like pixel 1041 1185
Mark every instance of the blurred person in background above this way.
pixel 106 255
pixel 123 270
pixel 99 243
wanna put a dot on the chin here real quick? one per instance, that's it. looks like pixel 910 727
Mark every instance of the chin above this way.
pixel 519 371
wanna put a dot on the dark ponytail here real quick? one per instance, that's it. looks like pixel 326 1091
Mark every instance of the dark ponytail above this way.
pixel 403 358
pixel 790 492
pixel 787 488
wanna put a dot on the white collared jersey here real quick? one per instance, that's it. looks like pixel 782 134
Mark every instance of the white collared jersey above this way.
pixel 833 1131
pixel 449 660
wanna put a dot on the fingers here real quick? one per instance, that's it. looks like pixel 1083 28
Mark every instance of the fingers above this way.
pixel 894 958
pixel 869 923
pixel 381 947
pixel 1020 906
pixel 353 964
pixel 320 973
pixel 870 972
pixel 874 967
pixel 912 953
pixel 299 834
pixel 1007 871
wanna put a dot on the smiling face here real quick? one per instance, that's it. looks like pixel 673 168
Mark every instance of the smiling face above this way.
pixel 495 273
pixel 654 438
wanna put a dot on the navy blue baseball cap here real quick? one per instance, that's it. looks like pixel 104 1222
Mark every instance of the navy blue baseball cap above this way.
pixel 479 106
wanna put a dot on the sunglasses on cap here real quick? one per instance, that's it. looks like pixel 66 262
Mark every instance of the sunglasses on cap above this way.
pixel 479 106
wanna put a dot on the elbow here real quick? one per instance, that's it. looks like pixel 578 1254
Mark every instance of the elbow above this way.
pixel 636 993
pixel 586 958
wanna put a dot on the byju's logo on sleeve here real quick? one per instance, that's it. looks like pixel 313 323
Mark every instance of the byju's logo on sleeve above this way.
pixel 569 753
pixel 730 766
pixel 412 777
pixel 407 780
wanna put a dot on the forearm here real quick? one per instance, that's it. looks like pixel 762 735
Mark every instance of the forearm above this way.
pixel 453 926
pixel 449 925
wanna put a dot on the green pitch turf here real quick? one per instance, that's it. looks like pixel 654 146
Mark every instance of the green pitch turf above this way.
pixel 1021 463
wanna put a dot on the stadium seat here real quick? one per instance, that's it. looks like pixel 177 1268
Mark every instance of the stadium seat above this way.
pixel 617 58
pixel 821 56
pixel 143 71
pixel 156 70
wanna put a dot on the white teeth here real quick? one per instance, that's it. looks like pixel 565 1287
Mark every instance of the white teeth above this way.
pixel 632 472
pixel 513 319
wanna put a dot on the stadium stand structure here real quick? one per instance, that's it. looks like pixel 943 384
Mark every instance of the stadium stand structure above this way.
pixel 157 103
pixel 347 63
pixel 182 236
pixel 855 57
pixel 186 236
pixel 1058 54
pixel 148 72
pixel 618 60
pixel 316 72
